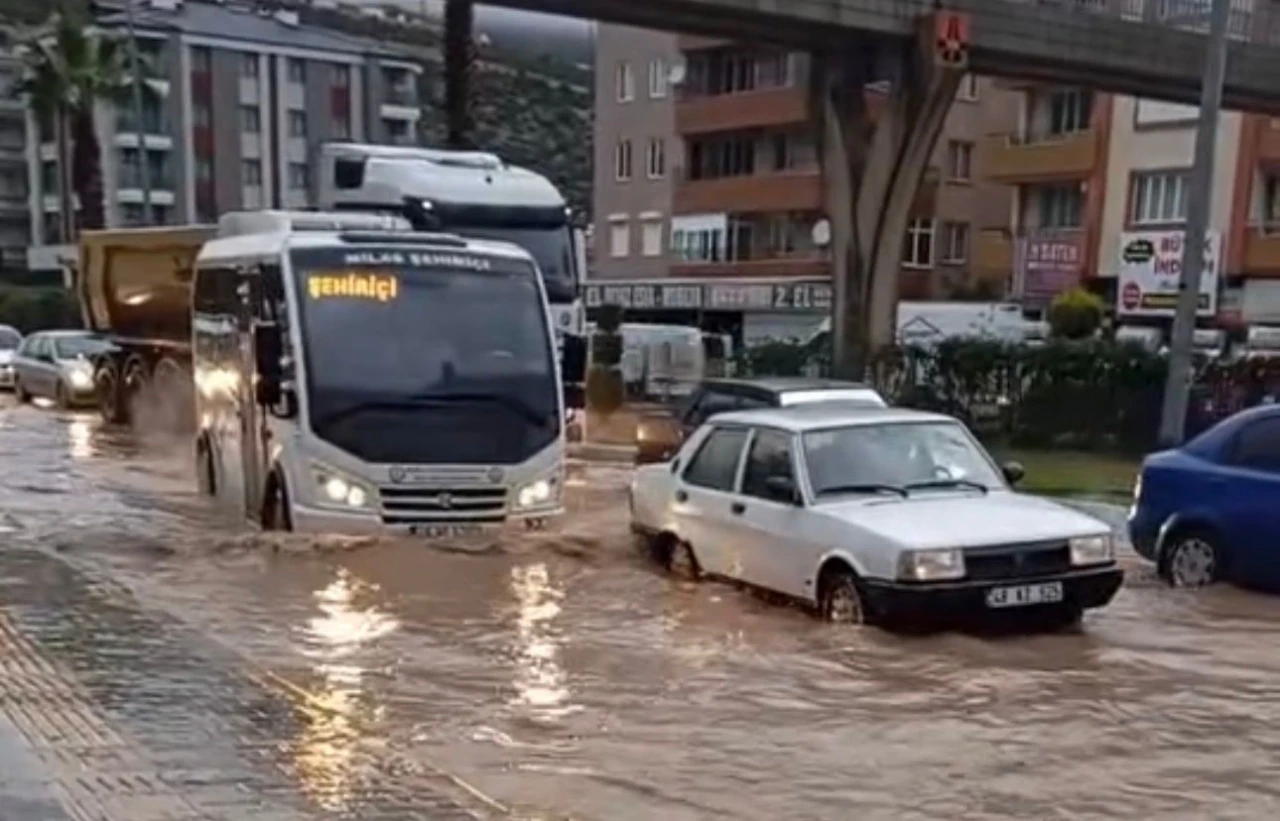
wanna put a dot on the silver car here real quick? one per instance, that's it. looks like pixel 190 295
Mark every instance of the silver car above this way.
pixel 10 339
pixel 57 365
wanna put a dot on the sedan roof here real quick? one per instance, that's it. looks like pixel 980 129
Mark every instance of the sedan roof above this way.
pixel 822 415
pixel 786 384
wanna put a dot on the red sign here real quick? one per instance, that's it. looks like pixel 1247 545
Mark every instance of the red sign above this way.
pixel 1051 262
pixel 1130 296
pixel 951 39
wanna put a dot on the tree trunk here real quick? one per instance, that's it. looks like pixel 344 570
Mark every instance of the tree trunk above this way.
pixel 86 167
pixel 459 62
pixel 66 202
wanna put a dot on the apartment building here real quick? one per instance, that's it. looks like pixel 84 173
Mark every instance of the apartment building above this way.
pixel 15 222
pixel 235 110
pixel 708 187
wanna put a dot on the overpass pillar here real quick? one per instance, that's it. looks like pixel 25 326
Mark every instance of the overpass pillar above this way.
pixel 872 169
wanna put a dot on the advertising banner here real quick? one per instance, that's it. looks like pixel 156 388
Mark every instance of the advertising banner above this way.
pixel 1150 265
pixel 1050 262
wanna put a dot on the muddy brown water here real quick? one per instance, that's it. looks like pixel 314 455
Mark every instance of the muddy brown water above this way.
pixel 561 675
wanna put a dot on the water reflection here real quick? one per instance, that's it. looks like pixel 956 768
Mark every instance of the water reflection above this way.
pixel 540 681
pixel 337 715
pixel 80 437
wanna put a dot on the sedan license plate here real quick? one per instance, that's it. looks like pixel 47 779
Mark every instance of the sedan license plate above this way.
pixel 1025 595
pixel 445 531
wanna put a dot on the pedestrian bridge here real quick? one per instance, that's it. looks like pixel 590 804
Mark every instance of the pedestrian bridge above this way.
pixel 1147 48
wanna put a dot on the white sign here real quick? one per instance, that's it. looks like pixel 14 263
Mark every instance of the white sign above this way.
pixel 1150 265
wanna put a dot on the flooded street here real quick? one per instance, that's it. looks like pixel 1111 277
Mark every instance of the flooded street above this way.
pixel 557 675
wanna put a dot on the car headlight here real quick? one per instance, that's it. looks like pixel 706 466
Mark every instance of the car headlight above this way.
pixel 336 490
pixel 80 378
pixel 1092 550
pixel 537 493
pixel 931 565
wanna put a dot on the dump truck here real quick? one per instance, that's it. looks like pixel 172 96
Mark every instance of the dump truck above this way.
pixel 134 286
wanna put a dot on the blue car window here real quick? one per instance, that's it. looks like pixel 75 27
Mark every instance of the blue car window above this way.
pixel 1257 446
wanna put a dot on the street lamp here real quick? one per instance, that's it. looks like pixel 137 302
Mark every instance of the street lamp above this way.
pixel 1177 388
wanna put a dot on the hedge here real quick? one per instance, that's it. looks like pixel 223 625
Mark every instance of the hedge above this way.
pixel 35 308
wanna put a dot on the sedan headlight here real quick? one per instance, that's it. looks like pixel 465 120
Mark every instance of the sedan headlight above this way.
pixel 931 565
pixel 537 493
pixel 1092 550
pixel 80 378
pixel 336 490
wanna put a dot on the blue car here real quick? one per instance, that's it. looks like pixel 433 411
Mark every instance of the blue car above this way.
pixel 1210 510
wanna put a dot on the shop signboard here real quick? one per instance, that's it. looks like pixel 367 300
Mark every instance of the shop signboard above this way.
pixel 1150 266
pixel 802 297
pixel 1051 262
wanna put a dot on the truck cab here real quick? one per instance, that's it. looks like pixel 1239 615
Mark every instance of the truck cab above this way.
pixel 355 375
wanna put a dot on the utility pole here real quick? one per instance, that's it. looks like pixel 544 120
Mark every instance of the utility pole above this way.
pixel 144 164
pixel 1177 386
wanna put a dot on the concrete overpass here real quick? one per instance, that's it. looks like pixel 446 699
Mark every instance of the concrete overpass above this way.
pixel 1147 48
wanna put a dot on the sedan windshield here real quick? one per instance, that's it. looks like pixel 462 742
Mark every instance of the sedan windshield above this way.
pixel 897 457
pixel 74 347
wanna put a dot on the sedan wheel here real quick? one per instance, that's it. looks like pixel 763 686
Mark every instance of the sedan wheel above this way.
pixel 682 563
pixel 1191 561
pixel 841 601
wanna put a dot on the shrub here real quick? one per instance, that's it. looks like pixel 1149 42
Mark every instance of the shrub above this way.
pixel 1076 314
pixel 35 308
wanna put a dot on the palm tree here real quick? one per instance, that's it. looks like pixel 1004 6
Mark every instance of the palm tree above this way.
pixel 69 73
pixel 459 60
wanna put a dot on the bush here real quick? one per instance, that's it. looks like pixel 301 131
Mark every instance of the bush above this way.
pixel 1076 314
pixel 38 308
pixel 605 391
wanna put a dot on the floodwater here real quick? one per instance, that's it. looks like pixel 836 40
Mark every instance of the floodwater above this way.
pixel 558 675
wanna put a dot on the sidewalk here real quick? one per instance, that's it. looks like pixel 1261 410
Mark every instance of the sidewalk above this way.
pixel 108 711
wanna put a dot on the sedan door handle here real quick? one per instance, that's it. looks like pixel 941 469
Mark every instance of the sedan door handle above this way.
pixel 738 508
pixel 681 496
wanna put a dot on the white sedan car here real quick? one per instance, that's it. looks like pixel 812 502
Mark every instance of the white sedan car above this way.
pixel 868 515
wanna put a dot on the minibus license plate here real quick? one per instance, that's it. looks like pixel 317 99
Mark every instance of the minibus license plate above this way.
pixel 450 531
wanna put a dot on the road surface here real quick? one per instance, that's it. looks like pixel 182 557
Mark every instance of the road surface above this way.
pixel 160 662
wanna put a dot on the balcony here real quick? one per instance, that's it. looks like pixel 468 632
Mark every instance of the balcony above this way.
pixel 779 106
pixel 1262 251
pixel 993 254
pixel 797 266
pixel 1070 156
pixel 751 193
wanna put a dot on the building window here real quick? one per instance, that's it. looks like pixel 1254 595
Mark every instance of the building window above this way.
pixel 1159 197
pixel 299 176
pixel 651 239
pixel 722 156
pixel 918 249
pixel 1069 111
pixel 252 173
pixel 397 131
pixel 200 115
pixel 341 76
pixel 619 239
pixel 968 90
pixel 249 66
pixel 622 161
pixel 201 60
pixel 204 169
pixel 1061 206
pixel 698 245
pixel 297 70
pixel 341 128
pixel 250 119
pixel 297 124
pixel 657 79
pixel 624 82
pixel 959 161
pixel 656 160
pixel 955 242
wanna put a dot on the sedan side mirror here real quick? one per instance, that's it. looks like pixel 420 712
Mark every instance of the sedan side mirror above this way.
pixel 782 489
pixel 1013 472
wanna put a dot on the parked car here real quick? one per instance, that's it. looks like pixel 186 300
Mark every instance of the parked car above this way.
pixel 58 365
pixel 869 515
pixel 1208 511
pixel 10 339
pixel 659 435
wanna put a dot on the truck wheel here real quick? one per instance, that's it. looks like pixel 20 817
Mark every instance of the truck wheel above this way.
pixel 132 384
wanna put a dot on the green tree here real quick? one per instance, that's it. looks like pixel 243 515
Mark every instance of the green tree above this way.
pixel 459 62
pixel 1076 314
pixel 69 72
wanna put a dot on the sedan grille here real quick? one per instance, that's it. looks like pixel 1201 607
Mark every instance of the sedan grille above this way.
pixel 1017 561
pixel 407 506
